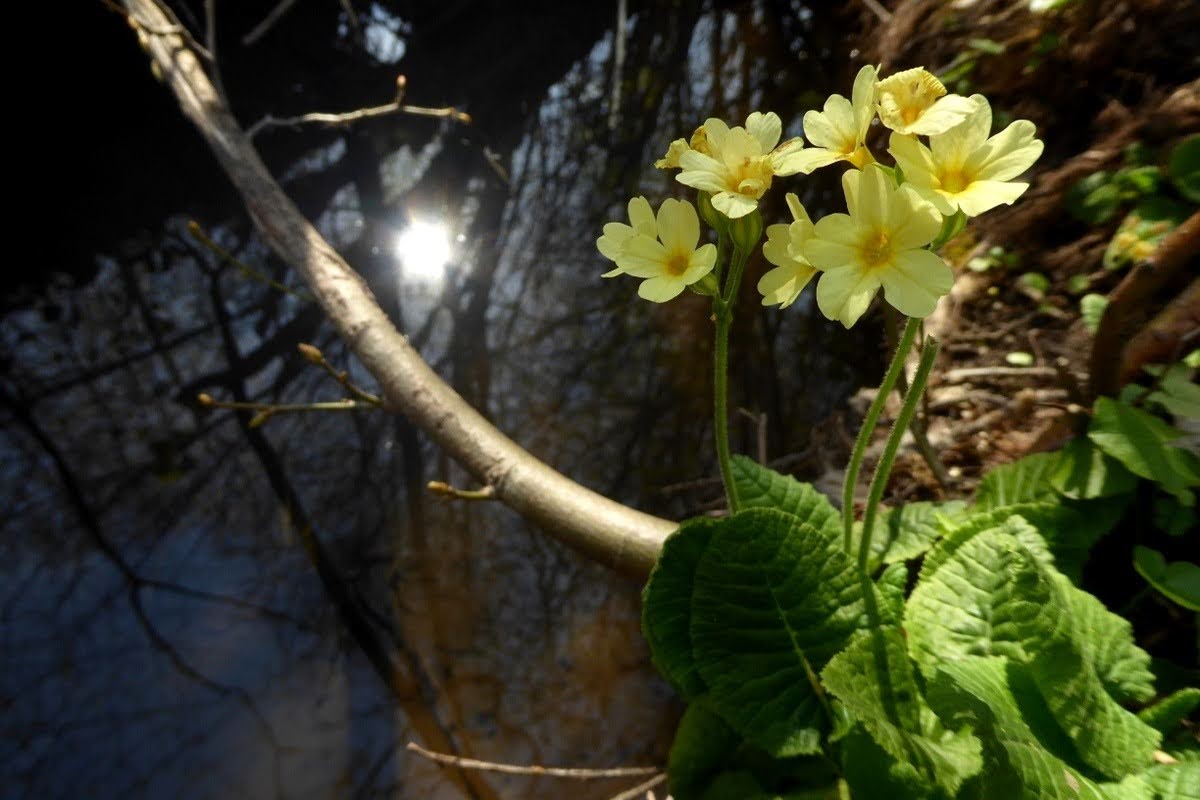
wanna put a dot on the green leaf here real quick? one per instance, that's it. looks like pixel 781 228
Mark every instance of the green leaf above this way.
pixel 667 605
pixel 994 596
pixel 891 585
pixel 1142 442
pixel 1142 230
pixel 1091 309
pixel 1139 180
pixel 761 487
pixel 1024 480
pixel 703 747
pixel 1093 200
pixel 1175 781
pixel 872 774
pixel 910 530
pixel 774 600
pixel 1165 715
pixel 1184 168
pixel 1172 517
pixel 1106 643
pixel 1025 753
pixel 1084 472
pixel 875 680
pixel 1177 392
pixel 1179 580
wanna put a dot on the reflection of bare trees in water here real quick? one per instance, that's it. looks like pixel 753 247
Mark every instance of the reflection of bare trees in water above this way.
pixel 178 587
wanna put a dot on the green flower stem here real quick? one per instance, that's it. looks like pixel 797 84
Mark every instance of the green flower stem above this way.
pixel 723 315
pixel 879 479
pixel 868 427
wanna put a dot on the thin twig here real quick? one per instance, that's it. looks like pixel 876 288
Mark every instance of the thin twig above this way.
pixel 967 373
pixel 447 491
pixel 315 356
pixel 878 10
pixel 641 789
pixel 269 20
pixel 348 117
pixel 200 236
pixel 576 773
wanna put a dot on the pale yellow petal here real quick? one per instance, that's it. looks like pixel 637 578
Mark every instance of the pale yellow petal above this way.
pixel 1007 154
pixel 914 280
pixel 863 99
pixel 943 115
pixel 783 159
pixel 981 196
pixel 875 190
pixel 678 226
pixel 850 181
pixel 733 205
pixel 952 148
pixel 670 159
pixel 840 228
pixel 700 263
pixel 809 159
pixel 782 285
pixel 641 216
pixel 775 249
pixel 765 128
pixel 914 159
pixel 643 257
pixel 661 289
pixel 845 294
pixel 912 220
pixel 715 131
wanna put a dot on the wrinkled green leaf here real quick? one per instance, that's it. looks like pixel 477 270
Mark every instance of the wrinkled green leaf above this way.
pixel 1024 480
pixel 1175 781
pixel 1165 715
pixel 1026 754
pixel 874 678
pixel 1179 580
pixel 703 747
pixel 762 487
pixel 774 599
pixel 667 605
pixel 1177 391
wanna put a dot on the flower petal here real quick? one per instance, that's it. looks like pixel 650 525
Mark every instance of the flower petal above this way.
pixel 914 159
pixel 983 196
pixel 700 263
pixel 782 285
pixel 845 294
pixel 807 160
pixel 643 257
pixel 766 128
pixel 641 216
pixel 952 148
pixel 912 220
pixel 914 280
pixel 863 99
pixel 875 190
pixel 1007 154
pixel 678 226
pixel 943 115
pixel 661 289
pixel 733 205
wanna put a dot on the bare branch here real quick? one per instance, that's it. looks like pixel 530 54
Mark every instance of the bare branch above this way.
pixel 618 536
pixel 268 21
pixel 575 773
pixel 642 789
pixel 348 117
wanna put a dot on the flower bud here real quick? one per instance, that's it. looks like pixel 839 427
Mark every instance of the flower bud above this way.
pixel 205 399
pixel 715 219
pixel 706 286
pixel 310 353
pixel 746 231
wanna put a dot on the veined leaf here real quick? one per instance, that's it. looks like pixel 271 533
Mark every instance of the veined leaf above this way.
pixel 703 747
pixel 1175 781
pixel 1085 472
pixel 1143 443
pixel 1165 715
pixel 994 596
pixel 774 599
pixel 874 678
pixel 1023 481
pixel 761 487
pixel 667 605
pixel 1023 750
pixel 910 530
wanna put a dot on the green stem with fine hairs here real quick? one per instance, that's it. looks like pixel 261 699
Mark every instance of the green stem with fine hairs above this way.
pixel 879 479
pixel 868 427
pixel 723 315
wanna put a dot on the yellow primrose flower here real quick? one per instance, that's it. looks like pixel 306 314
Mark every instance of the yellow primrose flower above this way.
pixel 962 169
pixel 839 131
pixel 667 257
pixel 616 234
pixel 879 243
pixel 914 101
pixel 739 163
pixel 782 285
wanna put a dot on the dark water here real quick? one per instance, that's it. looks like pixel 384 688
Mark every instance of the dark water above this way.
pixel 165 633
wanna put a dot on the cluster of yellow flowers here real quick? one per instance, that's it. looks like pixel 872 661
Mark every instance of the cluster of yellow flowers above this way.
pixel 894 213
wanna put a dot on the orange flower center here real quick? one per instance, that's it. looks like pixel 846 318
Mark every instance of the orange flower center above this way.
pixel 876 250
pixel 955 181
pixel 677 264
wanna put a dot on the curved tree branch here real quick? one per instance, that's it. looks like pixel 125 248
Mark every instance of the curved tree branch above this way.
pixel 620 537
